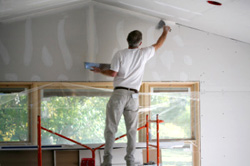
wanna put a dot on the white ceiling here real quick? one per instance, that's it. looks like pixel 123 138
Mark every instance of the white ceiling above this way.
pixel 231 19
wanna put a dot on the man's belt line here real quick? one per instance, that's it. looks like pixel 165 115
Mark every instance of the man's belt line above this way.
pixel 130 89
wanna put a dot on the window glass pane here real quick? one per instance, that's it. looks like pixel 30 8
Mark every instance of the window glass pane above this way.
pixel 14 115
pixel 76 113
pixel 174 108
pixel 177 157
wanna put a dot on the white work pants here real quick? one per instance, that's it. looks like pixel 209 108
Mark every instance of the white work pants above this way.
pixel 127 103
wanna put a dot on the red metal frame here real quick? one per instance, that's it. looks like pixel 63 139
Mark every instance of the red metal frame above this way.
pixel 147 135
pixel 39 128
pixel 39 141
pixel 157 146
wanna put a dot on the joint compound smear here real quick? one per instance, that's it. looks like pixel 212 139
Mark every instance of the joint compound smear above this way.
pixel 183 76
pixel 62 77
pixel 92 40
pixel 67 58
pixel 46 57
pixel 178 40
pixel 28 53
pixel 156 76
pixel 4 54
pixel 11 77
pixel 150 37
pixel 188 60
pixel 120 34
pixel 167 58
pixel 35 78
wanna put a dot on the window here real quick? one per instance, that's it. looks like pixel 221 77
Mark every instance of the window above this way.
pixel 178 105
pixel 173 105
pixel 177 157
pixel 14 114
pixel 77 112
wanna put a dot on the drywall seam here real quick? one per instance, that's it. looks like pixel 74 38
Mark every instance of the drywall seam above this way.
pixel 91 31
pixel 155 17
pixel 152 11
pixel 67 57
pixel 41 11
pixel 120 33
pixel 46 57
pixel 4 54
pixel 28 53
pixel 210 33
pixel 91 38
pixel 118 9
pixel 150 37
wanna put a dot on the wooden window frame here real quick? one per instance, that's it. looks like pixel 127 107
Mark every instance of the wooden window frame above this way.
pixel 195 113
pixel 35 101
pixel 68 85
pixel 26 86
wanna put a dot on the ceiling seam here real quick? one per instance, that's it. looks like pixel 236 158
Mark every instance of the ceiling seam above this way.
pixel 155 17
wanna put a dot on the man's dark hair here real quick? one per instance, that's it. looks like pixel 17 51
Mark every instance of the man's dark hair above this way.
pixel 134 38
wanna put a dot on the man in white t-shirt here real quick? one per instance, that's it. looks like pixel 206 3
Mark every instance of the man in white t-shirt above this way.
pixel 127 68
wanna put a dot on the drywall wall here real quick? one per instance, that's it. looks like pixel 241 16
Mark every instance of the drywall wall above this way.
pixel 53 47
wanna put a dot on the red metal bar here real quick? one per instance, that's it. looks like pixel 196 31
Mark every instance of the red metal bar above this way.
pixel 93 153
pixel 155 121
pixel 39 142
pixel 115 140
pixel 147 135
pixel 155 146
pixel 124 135
pixel 92 150
pixel 119 137
pixel 141 128
pixel 158 141
pixel 99 147
pixel 50 131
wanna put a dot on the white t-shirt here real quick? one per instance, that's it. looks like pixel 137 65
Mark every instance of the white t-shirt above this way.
pixel 130 64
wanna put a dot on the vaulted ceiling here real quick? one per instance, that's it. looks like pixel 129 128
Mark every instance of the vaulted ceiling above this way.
pixel 231 19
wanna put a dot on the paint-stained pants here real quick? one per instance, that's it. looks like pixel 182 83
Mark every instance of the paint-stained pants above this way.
pixel 127 103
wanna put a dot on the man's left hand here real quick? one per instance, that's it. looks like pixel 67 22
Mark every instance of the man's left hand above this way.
pixel 96 69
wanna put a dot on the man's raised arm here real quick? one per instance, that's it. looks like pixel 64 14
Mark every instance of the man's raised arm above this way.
pixel 162 38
